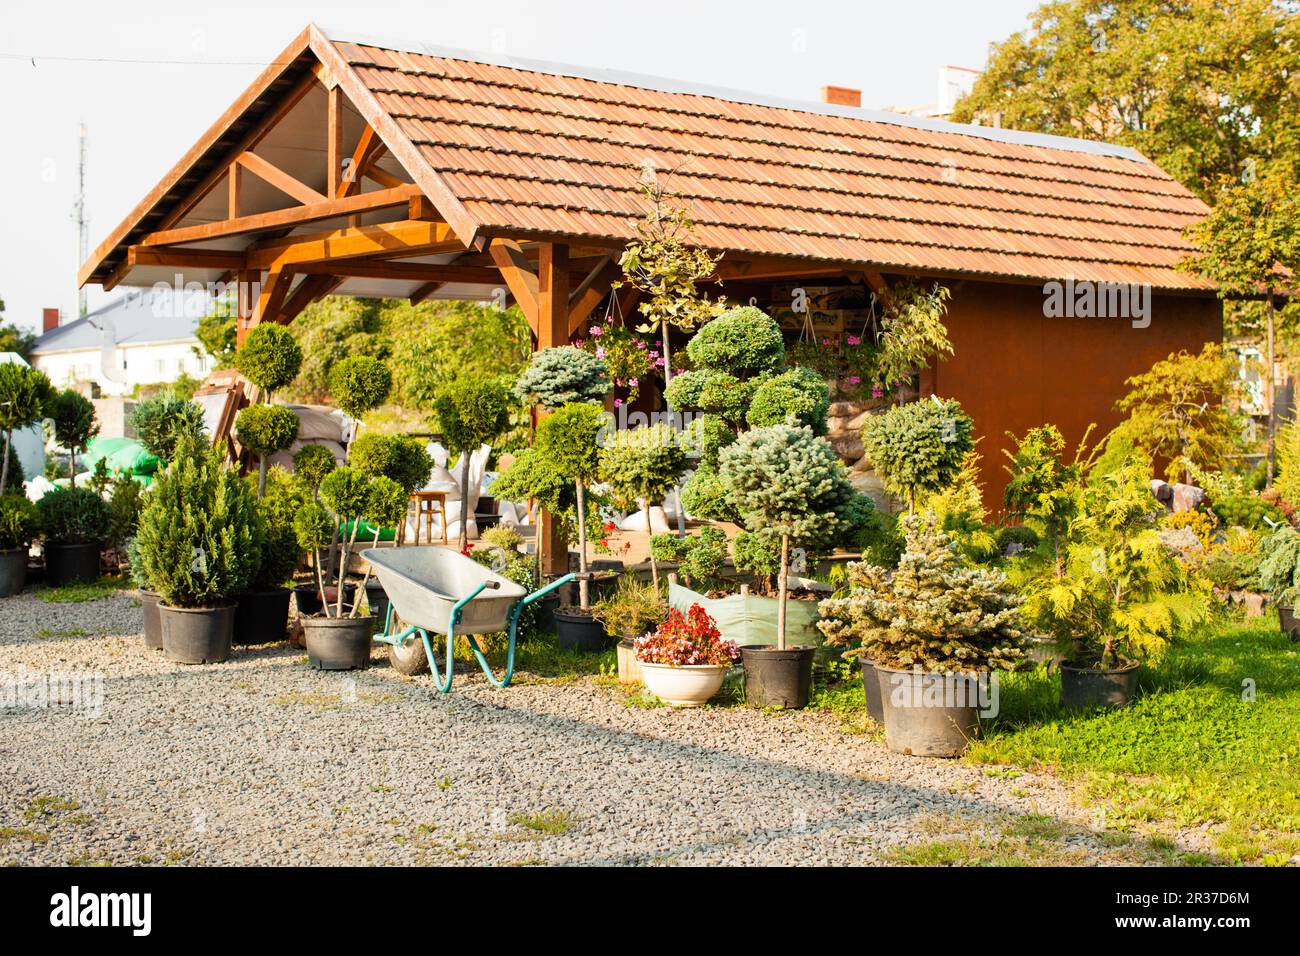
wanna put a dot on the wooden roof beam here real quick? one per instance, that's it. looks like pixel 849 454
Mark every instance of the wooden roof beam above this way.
pixel 270 173
pixel 519 275
pixel 403 238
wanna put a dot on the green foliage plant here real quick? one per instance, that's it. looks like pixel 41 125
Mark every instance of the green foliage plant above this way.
pixel 270 358
pixel 633 608
pixel 643 464
pixel 568 441
pixel 163 420
pixel 919 447
pixel 73 416
pixel 266 430
pixel 24 394
pixel 789 486
pixel 359 384
pixel 311 463
pixel 20 522
pixel 700 557
pixel 74 516
pixel 561 375
pixel 472 412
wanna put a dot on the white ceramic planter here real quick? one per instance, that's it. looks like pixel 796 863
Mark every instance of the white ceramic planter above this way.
pixel 687 686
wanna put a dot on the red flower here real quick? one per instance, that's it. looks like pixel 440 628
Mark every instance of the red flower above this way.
pixel 686 639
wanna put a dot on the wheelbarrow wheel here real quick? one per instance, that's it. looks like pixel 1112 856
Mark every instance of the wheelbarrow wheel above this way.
pixel 410 658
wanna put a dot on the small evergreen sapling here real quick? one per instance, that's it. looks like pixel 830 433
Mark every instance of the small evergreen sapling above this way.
pixel 790 487
pixel 558 376
pixel 568 443
pixel 919 447
pixel 932 612
pixel 269 358
pixel 311 463
pixel 345 492
pixel 74 424
pixel 24 394
pixel 643 463
pixel 472 412
pixel 266 430
pixel 163 420
pixel 359 384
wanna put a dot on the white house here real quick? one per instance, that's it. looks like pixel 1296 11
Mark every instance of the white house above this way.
pixel 142 338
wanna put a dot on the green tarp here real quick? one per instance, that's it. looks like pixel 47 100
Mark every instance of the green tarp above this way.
pixel 121 455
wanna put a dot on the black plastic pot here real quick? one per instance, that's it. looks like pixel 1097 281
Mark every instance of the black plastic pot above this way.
pixel 261 616
pixel 13 571
pixel 577 630
pixel 777 678
pixel 197 635
pixel 546 609
pixel 1085 688
pixel 338 643
pixel 308 598
pixel 377 601
pixel 484 522
pixel 920 724
pixel 871 687
pixel 152 622
pixel 71 563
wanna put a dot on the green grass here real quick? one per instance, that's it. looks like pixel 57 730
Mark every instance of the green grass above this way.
pixel 1192 749
pixel 549 822
pixel 81 593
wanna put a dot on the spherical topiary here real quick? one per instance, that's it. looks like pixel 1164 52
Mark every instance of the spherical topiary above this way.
pixel 399 457
pixel 643 463
pixel 472 412
pixel 346 492
pixel 74 516
pixel 710 390
pixel 270 357
pixel 744 341
pixel 558 376
pixel 265 430
pixel 20 522
pixel 569 440
pixel 314 527
pixel 798 393
pixel 705 436
pixel 387 503
pixel 74 423
pixel 705 495
pixel 311 463
pixel 787 482
pixel 918 447
pixel 162 420
pixel 24 393
pixel 360 383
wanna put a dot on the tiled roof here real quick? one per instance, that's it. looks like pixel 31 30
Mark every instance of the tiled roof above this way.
pixel 555 153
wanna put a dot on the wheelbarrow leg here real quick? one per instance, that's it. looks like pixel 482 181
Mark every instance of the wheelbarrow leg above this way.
pixel 515 613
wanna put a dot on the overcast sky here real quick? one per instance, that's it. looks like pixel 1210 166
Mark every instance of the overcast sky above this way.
pixel 148 78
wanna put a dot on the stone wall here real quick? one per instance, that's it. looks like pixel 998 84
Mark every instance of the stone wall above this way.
pixel 844 432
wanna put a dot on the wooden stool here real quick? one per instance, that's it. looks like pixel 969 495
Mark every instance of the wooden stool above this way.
pixel 424 505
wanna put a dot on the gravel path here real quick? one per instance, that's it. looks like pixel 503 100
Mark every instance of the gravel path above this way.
pixel 263 760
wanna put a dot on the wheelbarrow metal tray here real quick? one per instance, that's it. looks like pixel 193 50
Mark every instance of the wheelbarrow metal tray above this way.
pixel 424 584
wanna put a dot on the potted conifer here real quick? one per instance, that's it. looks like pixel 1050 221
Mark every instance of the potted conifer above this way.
pixel 311 463
pixel 73 416
pixel 20 523
pixel 568 442
pixel 265 430
pixel 643 464
pixel 358 385
pixel 262 611
pixel 789 487
pixel 198 549
pixel 24 394
pixel 76 523
pixel 934 629
pixel 403 460
pixel 472 411
pixel 162 420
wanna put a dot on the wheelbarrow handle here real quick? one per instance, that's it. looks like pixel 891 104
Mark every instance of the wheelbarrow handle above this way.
pixel 538 595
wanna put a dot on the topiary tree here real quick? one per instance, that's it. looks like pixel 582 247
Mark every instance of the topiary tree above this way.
pixel 24 393
pixel 568 441
pixel 197 535
pixel 269 358
pixel 281 499
pixel 744 341
pixel 74 516
pixel 798 394
pixel 789 486
pixel 399 457
pixel 346 492
pixel 359 384
pixel 311 463
pixel 315 528
pixel 266 430
pixel 931 612
pixel 558 376
pixel 162 420
pixel 74 424
pixel 918 447
pixel 643 463
pixel 472 412
pixel 385 508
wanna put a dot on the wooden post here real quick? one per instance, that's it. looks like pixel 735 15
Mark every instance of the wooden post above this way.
pixel 246 302
pixel 552 330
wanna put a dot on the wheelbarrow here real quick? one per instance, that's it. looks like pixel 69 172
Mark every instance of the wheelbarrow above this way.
pixel 435 590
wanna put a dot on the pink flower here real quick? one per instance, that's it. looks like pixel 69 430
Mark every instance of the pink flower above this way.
pixel 596 331
pixel 640 344
pixel 600 352
pixel 579 343
pixel 826 341
pixel 618 403
pixel 632 383
pixel 659 363
pixel 877 391
pixel 854 379
pixel 854 340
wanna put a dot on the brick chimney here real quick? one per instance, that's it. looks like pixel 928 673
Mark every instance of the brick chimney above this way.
pixel 49 320
pixel 841 96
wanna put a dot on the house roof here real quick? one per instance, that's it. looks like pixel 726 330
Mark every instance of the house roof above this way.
pixel 519 148
pixel 139 317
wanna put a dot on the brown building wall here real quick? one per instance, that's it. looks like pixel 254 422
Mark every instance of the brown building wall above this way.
pixel 1014 369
